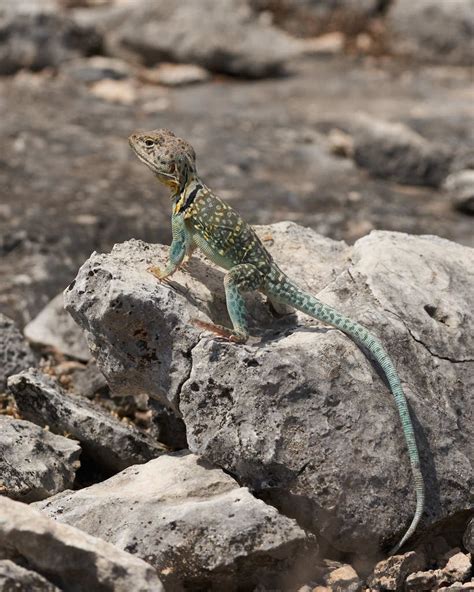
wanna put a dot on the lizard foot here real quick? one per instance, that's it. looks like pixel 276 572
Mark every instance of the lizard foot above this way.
pixel 156 271
pixel 220 331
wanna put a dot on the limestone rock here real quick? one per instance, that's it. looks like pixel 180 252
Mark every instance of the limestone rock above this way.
pixel 54 327
pixel 60 552
pixel 15 353
pixel 34 463
pixel 112 444
pixel 394 151
pixel 14 578
pixel 301 416
pixel 437 30
pixel 233 41
pixel 191 521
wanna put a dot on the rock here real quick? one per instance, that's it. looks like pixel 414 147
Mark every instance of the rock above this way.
pixel 461 188
pixel 328 44
pixel 191 521
pixel 60 552
pixel 468 538
pixel 174 74
pixel 39 40
pixel 313 17
pixel 439 30
pixel 277 413
pixel 422 581
pixel 15 353
pixel 232 42
pixel 34 463
pixel 115 91
pixel 54 327
pixel 112 444
pixel 394 151
pixel 14 578
pixel 457 569
pixel 95 68
pixel 89 381
pixel 344 579
pixel 390 574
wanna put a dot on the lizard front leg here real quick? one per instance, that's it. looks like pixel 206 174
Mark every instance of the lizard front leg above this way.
pixel 181 247
pixel 240 279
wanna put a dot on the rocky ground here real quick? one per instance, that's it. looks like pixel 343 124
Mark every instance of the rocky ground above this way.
pixel 136 451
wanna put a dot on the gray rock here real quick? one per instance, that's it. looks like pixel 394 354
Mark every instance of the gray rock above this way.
pixel 72 559
pixel 111 443
pixel 15 353
pixel 439 30
pixel 394 151
pixel 37 40
pixel 14 578
pixel 233 41
pixel 192 522
pixel 461 189
pixel 89 381
pixel 34 463
pixel 301 416
pixel 97 68
pixel 468 538
pixel 54 327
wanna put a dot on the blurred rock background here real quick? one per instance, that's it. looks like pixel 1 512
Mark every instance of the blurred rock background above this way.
pixel 342 115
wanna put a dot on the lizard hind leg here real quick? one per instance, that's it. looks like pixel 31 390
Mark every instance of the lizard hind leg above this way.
pixel 242 278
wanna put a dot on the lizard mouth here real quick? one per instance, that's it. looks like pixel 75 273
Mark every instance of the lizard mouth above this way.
pixel 165 177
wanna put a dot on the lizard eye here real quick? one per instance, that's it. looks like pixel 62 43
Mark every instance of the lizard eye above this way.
pixel 149 143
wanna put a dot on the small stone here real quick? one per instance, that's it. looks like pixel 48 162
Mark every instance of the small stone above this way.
pixel 115 91
pixel 422 581
pixel 457 569
pixel 340 143
pixel 344 579
pixel 54 327
pixel 390 574
pixel 95 68
pixel 175 74
pixel 328 44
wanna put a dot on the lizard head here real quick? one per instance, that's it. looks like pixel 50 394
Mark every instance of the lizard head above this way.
pixel 172 159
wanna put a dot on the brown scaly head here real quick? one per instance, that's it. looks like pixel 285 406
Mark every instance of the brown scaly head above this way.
pixel 172 159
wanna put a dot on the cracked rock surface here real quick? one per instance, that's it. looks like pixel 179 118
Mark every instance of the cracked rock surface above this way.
pixel 192 522
pixel 299 414
pixel 112 444
pixel 15 353
pixel 34 463
pixel 61 553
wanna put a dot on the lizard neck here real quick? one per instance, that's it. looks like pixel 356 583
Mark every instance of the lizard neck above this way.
pixel 183 199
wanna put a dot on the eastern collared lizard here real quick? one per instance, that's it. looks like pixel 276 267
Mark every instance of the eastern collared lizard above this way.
pixel 201 219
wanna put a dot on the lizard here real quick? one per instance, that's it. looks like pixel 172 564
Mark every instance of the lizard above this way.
pixel 200 219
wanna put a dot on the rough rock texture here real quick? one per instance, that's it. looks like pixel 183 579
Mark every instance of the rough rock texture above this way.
pixel 14 578
pixel 302 416
pixel 468 538
pixel 439 30
pixel 192 522
pixel 461 189
pixel 233 41
pixel 15 353
pixel 71 559
pixel 34 463
pixel 111 443
pixel 344 579
pixel 394 151
pixel 390 574
pixel 40 40
pixel 54 327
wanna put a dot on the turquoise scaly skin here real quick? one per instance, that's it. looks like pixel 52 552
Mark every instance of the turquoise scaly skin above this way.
pixel 202 220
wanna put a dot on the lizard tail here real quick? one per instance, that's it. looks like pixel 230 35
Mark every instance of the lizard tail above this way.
pixel 288 293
